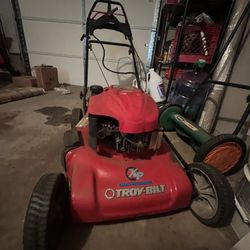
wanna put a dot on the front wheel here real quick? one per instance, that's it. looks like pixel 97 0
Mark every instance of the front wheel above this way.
pixel 46 213
pixel 213 203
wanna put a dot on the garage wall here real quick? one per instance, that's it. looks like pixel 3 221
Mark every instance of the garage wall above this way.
pixel 53 30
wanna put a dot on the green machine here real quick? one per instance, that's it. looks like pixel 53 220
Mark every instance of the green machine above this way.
pixel 226 152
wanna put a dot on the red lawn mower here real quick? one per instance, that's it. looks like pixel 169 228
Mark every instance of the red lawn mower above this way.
pixel 117 162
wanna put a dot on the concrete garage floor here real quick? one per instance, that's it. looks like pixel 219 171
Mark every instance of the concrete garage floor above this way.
pixel 31 133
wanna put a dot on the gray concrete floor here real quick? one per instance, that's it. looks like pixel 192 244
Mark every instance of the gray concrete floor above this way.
pixel 31 132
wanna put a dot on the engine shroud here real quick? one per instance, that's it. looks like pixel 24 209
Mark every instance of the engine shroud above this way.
pixel 135 111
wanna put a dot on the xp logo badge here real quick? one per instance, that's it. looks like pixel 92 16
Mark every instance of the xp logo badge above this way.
pixel 133 173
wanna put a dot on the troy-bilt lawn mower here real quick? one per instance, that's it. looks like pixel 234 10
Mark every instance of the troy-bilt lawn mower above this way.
pixel 117 164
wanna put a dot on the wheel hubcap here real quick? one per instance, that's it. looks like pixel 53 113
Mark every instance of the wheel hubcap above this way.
pixel 225 156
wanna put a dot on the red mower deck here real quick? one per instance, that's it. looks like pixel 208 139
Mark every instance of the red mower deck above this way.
pixel 115 187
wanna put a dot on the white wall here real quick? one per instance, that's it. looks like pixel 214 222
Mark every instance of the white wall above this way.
pixel 53 30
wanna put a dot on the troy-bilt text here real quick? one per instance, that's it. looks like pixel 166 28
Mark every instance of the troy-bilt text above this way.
pixel 131 192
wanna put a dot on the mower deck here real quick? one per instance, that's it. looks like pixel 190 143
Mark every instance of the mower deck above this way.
pixel 113 186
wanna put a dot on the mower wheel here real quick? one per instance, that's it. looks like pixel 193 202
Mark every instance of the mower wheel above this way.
pixel 225 152
pixel 76 116
pixel 46 213
pixel 213 203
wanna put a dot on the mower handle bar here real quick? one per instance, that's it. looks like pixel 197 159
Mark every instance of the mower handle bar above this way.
pixel 107 21
pixel 110 43
pixel 111 11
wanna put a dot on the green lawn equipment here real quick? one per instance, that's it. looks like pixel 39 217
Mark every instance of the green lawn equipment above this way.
pixel 226 152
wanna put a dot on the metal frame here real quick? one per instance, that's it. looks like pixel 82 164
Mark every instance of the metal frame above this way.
pixel 246 111
pixel 177 50
pixel 19 25
pixel 237 85
pixel 242 119
pixel 224 48
pixel 4 49
pixel 224 30
pixel 180 37
pixel 89 41
pixel 59 20
pixel 153 36
pixel 219 56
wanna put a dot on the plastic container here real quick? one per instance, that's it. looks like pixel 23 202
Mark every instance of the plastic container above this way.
pixel 155 86
pixel 143 83
pixel 187 93
pixel 199 42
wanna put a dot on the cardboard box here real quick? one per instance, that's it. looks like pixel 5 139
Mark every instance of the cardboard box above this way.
pixel 24 81
pixel 47 77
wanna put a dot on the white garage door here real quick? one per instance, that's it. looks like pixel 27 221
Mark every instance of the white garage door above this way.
pixel 53 30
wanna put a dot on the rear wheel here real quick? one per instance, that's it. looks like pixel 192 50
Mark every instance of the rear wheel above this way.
pixel 76 116
pixel 213 204
pixel 46 213
pixel 225 152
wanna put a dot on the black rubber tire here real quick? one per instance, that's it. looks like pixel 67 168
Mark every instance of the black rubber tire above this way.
pixel 76 116
pixel 224 192
pixel 208 146
pixel 46 213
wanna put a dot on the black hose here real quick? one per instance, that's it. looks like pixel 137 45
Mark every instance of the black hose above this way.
pixel 103 62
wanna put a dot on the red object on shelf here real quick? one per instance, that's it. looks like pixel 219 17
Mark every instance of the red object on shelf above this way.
pixel 177 73
pixel 2 61
pixel 199 42
pixel 175 2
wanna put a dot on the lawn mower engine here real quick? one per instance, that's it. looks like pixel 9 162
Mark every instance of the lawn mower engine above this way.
pixel 122 168
pixel 115 123
pixel 108 134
